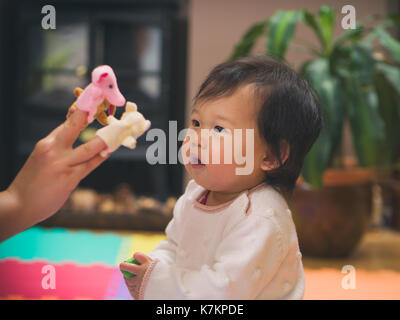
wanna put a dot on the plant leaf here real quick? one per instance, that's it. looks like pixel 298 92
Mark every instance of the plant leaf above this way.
pixel 351 34
pixel 243 48
pixel 280 32
pixel 354 60
pixel 327 18
pixel 323 25
pixel 389 42
pixel 366 123
pixel 313 168
pixel 389 109
pixel 328 90
pixel 355 66
pixel 395 17
pixel 362 63
pixel 391 73
pixel 309 19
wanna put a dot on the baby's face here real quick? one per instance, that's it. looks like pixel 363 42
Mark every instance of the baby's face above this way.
pixel 230 161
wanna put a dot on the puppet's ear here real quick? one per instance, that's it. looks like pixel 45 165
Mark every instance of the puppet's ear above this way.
pixel 101 77
pixel 78 91
pixel 130 107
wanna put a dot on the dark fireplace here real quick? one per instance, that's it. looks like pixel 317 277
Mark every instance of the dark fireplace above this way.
pixel 145 43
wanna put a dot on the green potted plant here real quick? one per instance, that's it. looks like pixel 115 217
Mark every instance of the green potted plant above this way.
pixel 390 175
pixel 356 87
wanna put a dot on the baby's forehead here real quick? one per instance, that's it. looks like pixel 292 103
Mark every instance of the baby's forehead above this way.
pixel 240 107
pixel 245 96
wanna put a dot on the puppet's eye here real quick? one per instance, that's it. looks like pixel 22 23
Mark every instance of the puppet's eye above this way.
pixel 110 86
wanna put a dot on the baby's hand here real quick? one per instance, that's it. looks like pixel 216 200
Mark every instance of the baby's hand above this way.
pixel 134 283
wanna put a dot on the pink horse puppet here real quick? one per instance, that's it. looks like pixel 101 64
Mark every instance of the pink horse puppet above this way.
pixel 103 86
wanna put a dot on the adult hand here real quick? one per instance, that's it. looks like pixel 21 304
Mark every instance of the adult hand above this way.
pixel 48 176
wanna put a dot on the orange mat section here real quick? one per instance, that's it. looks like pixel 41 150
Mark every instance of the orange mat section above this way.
pixel 326 284
pixel 375 270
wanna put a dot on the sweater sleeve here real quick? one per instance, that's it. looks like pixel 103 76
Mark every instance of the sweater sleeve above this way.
pixel 166 249
pixel 245 261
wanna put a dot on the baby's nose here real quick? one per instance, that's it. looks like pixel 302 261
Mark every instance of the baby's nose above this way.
pixel 203 139
pixel 194 138
pixel 196 145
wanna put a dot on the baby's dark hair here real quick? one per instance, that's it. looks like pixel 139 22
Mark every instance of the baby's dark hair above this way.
pixel 289 110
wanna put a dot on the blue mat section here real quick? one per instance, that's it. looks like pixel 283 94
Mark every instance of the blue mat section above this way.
pixel 62 245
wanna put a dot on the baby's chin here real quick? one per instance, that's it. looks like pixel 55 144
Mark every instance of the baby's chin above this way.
pixel 209 185
pixel 208 180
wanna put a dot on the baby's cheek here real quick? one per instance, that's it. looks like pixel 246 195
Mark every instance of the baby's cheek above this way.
pixel 221 151
pixel 225 168
pixel 244 148
pixel 239 152
pixel 221 174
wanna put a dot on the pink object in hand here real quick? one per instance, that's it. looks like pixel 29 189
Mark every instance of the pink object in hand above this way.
pixel 103 86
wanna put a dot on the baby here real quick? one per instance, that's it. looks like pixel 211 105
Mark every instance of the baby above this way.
pixel 232 235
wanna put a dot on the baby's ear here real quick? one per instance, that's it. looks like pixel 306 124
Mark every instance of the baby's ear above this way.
pixel 270 161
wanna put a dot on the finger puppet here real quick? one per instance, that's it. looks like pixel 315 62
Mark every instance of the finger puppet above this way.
pixel 100 115
pixel 124 131
pixel 102 90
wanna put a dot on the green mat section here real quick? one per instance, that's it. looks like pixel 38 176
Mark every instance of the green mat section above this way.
pixel 62 245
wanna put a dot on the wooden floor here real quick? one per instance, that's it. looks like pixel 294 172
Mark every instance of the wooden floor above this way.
pixel 379 249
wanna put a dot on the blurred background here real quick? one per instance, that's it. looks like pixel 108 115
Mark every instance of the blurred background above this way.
pixel 347 202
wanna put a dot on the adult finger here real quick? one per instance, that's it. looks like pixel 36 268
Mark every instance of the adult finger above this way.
pixel 83 169
pixel 86 151
pixel 69 131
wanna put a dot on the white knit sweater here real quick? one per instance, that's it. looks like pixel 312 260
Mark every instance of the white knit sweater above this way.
pixel 246 248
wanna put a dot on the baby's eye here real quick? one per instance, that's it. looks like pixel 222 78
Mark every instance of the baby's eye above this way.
pixel 195 123
pixel 218 128
pixel 110 86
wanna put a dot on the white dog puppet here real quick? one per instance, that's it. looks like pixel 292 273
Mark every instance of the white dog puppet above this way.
pixel 124 131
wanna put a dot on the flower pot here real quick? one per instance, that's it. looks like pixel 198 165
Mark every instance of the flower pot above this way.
pixel 353 176
pixel 331 221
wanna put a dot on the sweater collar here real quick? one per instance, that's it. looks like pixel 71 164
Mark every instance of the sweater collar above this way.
pixel 241 202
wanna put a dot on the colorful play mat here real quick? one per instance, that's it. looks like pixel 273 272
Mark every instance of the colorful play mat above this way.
pixel 85 266
pixel 85 263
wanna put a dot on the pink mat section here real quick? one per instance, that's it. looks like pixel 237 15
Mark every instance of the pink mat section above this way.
pixel 22 280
